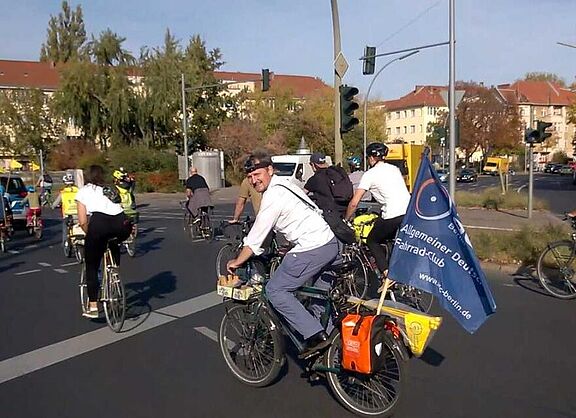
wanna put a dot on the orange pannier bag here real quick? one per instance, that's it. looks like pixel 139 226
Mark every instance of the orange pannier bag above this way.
pixel 363 342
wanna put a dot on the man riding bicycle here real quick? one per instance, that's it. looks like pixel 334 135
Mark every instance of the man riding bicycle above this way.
pixel 387 186
pixel 284 210
pixel 123 184
pixel 197 192
pixel 67 199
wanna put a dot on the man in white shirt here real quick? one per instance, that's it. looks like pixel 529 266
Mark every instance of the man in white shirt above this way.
pixel 315 246
pixel 387 186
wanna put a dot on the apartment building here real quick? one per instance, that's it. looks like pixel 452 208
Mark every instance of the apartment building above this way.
pixel 548 102
pixel 407 118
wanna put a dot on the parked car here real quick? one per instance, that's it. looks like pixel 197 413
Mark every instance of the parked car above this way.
pixel 566 170
pixel 466 176
pixel 16 190
pixel 548 168
pixel 442 175
pixel 556 168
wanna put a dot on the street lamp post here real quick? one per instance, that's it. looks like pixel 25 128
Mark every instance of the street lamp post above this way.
pixel 368 94
pixel 185 126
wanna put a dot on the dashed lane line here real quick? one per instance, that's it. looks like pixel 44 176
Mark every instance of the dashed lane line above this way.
pixel 61 271
pixel 49 355
pixel 14 251
pixel 45 264
pixel 208 333
pixel 22 273
pixel 73 263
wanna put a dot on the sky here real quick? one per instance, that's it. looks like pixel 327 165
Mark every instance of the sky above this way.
pixel 497 41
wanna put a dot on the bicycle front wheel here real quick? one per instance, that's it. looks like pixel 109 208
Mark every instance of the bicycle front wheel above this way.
pixel 130 245
pixel 114 301
pixel 355 279
pixel 367 395
pixel 251 347
pixel 83 290
pixel 556 269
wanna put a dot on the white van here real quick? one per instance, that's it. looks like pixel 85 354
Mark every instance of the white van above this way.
pixel 295 166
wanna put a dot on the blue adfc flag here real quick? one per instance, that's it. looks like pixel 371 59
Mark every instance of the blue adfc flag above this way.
pixel 433 252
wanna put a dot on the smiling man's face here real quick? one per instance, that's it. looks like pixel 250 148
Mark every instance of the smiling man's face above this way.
pixel 260 178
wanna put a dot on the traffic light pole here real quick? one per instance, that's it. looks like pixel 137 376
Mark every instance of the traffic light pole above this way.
pixel 337 83
pixel 530 179
pixel 185 126
pixel 452 104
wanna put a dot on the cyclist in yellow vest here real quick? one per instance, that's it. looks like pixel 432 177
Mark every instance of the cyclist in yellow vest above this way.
pixel 67 199
pixel 123 184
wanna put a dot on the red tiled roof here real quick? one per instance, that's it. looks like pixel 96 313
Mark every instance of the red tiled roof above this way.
pixel 300 85
pixel 420 96
pixel 45 76
pixel 537 93
pixel 28 74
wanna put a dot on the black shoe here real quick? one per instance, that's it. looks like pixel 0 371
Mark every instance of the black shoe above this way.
pixel 314 344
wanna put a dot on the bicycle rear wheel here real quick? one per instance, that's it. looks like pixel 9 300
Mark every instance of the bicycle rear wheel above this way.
pixel 114 301
pixel 130 245
pixel 355 279
pixel 556 269
pixel 251 347
pixel 367 395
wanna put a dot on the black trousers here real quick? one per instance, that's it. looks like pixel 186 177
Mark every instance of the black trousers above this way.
pixel 383 230
pixel 101 229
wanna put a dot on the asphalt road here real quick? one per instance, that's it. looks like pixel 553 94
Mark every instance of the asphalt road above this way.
pixel 54 363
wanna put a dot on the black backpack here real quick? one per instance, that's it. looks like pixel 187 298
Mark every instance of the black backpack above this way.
pixel 340 184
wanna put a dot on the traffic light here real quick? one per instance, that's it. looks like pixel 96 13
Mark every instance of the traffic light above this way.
pixel 347 108
pixel 541 128
pixel 369 60
pixel 265 79
pixel 538 135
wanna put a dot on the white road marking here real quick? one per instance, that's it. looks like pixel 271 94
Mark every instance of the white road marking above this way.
pixel 32 246
pixel 61 271
pixel 73 263
pixel 208 333
pixel 27 272
pixel 45 264
pixel 14 251
pixel 41 358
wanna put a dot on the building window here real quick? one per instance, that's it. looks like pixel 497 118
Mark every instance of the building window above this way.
pixel 397 115
pixel 412 129
pixel 388 116
pixel 397 130
pixel 388 131
pixel 544 112
pixel 413 113
pixel 558 110
pixel 405 129
pixel 420 128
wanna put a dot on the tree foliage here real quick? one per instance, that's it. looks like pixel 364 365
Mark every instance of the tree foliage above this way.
pixel 66 36
pixel 542 76
pixel 486 122
pixel 27 121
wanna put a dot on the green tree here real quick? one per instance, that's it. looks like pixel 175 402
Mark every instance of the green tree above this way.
pixel 66 36
pixel 27 122
pixel 107 50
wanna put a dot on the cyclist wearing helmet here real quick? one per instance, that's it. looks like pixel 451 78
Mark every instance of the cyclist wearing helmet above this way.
pixel 387 186
pixel 354 163
pixel 131 183
pixel 32 201
pixel 123 184
pixel 67 200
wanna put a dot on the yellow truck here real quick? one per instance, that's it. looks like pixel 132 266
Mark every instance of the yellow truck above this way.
pixel 496 165
pixel 407 158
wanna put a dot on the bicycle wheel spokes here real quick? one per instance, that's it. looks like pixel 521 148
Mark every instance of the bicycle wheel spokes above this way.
pixel 366 394
pixel 251 349
pixel 115 302
pixel 557 268
pixel 83 290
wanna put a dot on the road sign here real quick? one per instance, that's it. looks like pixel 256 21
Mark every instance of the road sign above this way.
pixel 340 65
pixel 458 96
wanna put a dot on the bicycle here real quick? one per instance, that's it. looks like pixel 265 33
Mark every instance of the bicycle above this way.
pixel 197 227
pixel 556 266
pixel 46 198
pixel 354 274
pixel 112 294
pixel 252 344
pixel 74 243
pixel 399 292
pixel 35 226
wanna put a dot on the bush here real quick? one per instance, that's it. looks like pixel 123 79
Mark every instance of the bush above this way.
pixel 142 159
pixel 70 154
pixel 160 181
pixel 522 246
